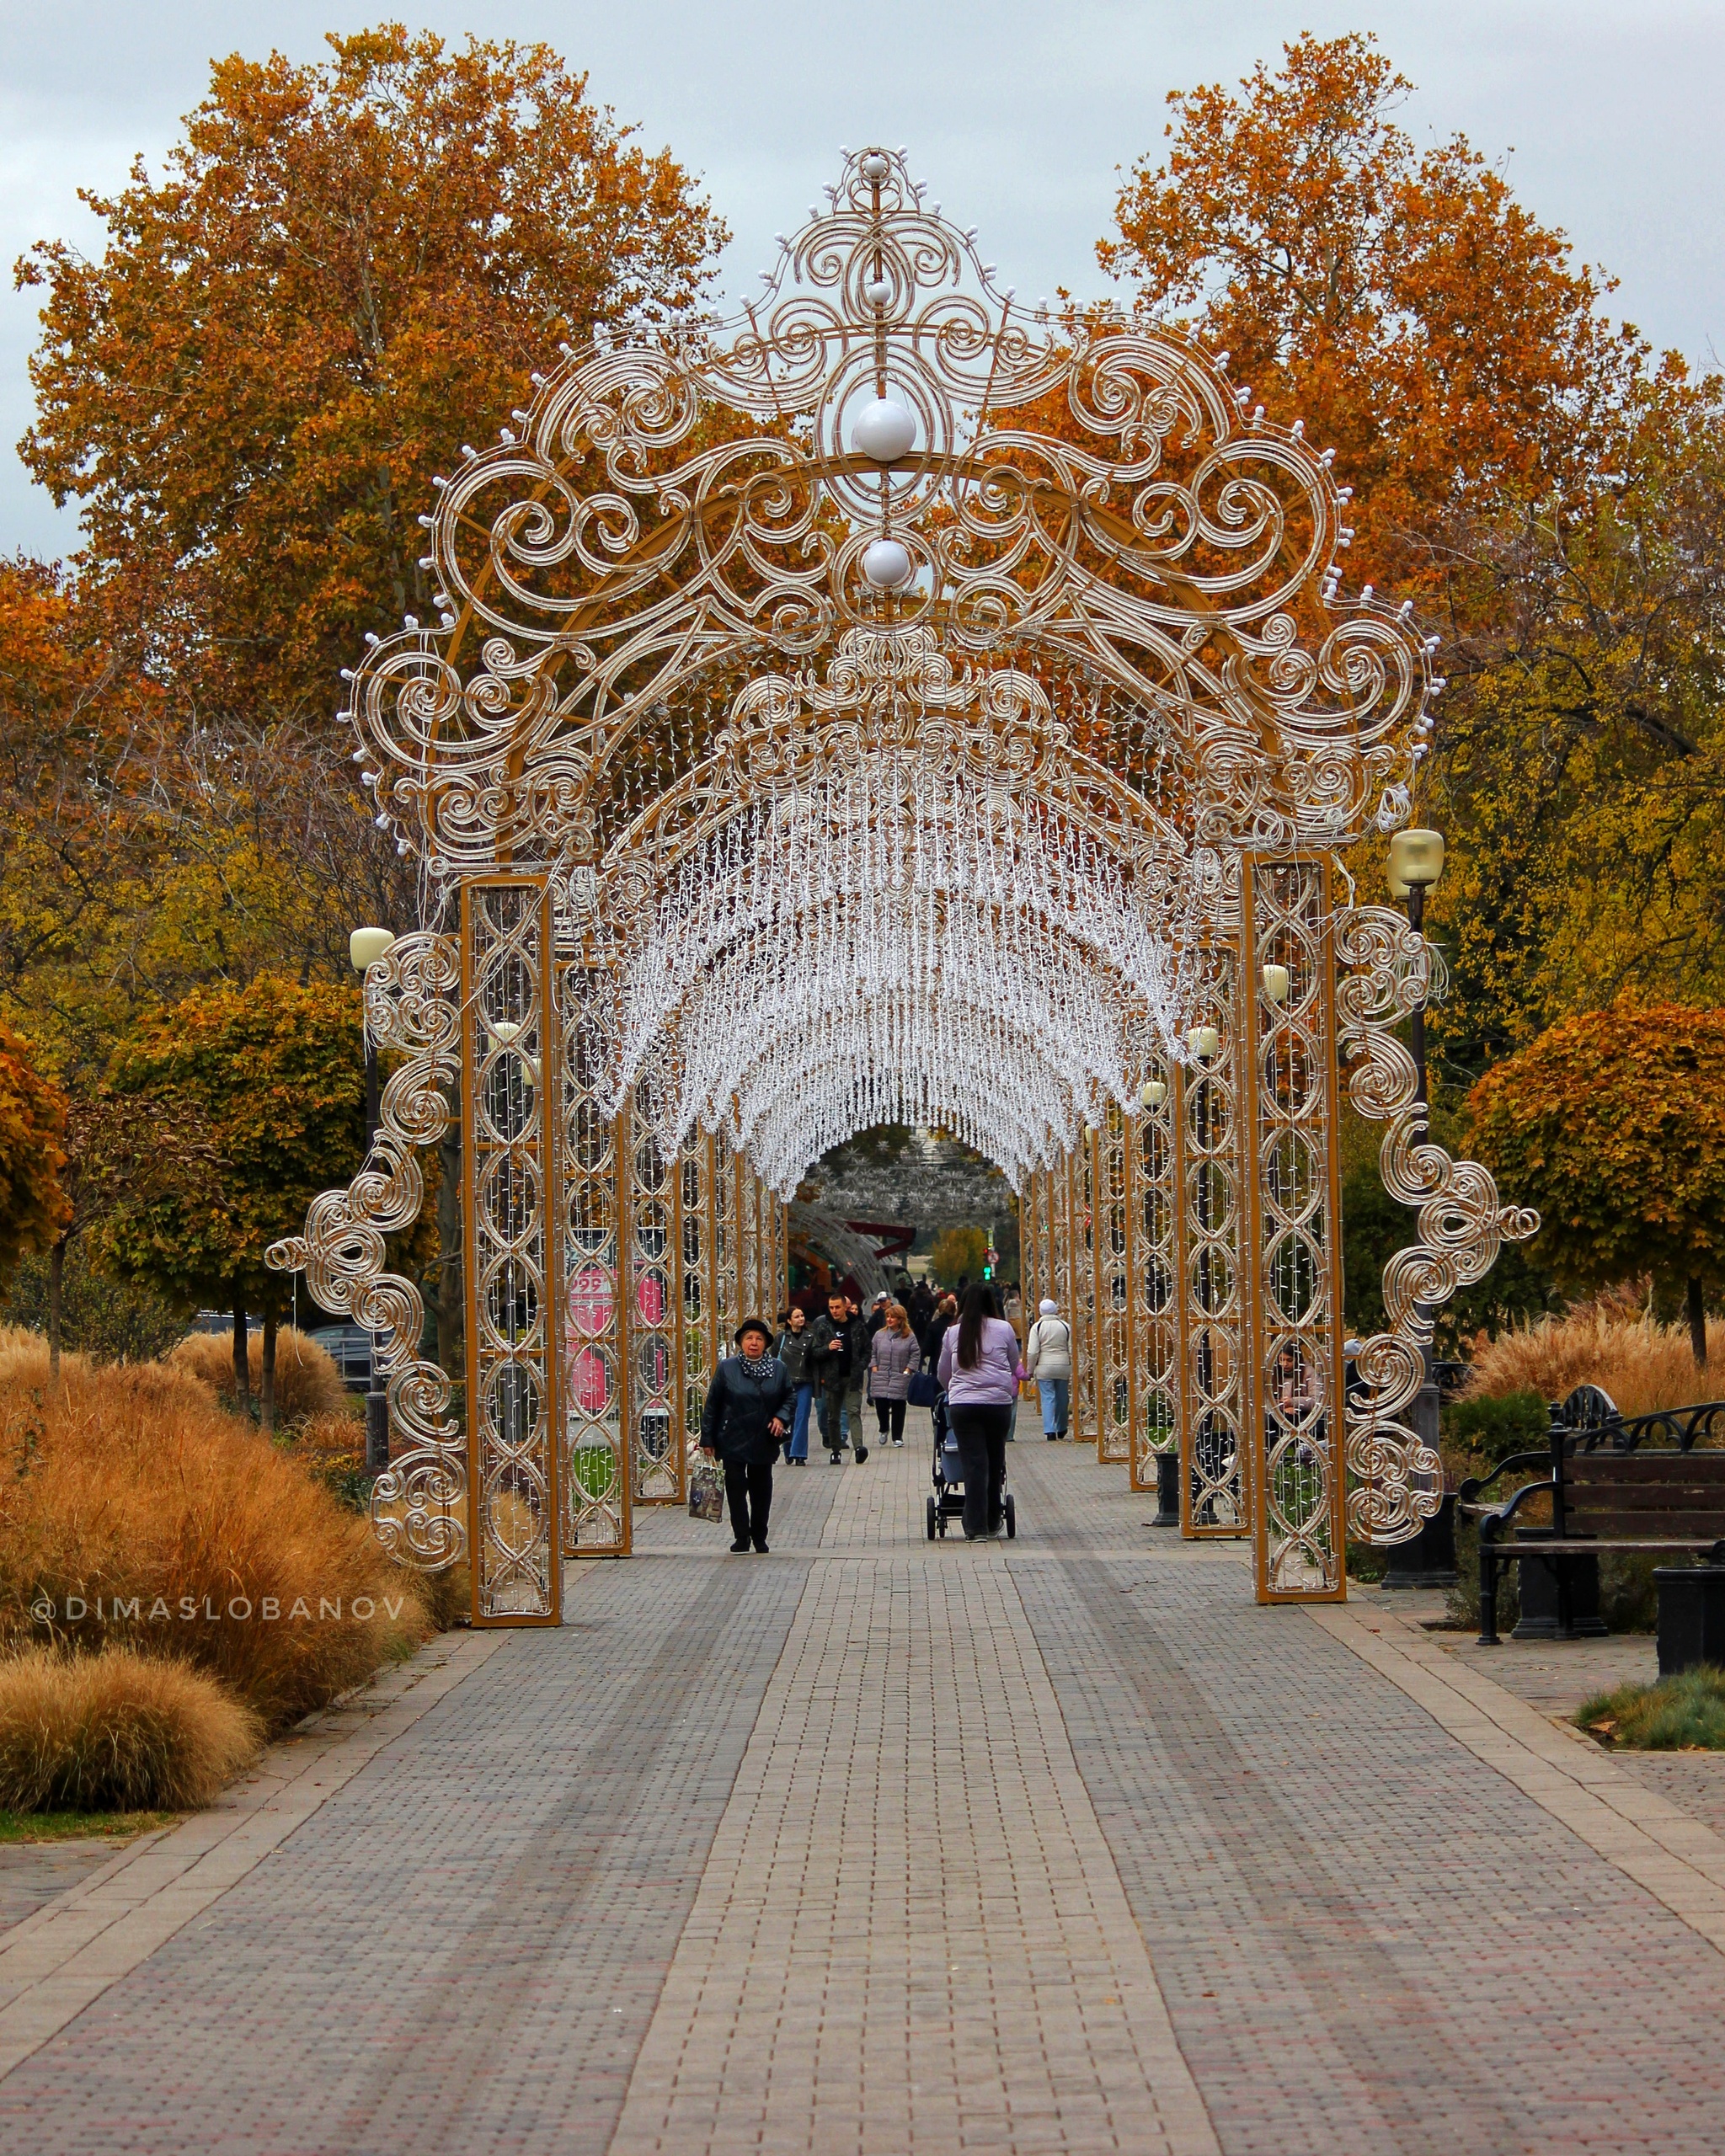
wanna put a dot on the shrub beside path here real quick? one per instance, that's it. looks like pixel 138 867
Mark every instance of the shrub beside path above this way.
pixel 887 1846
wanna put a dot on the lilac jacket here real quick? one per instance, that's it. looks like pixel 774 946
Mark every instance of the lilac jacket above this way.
pixel 994 1383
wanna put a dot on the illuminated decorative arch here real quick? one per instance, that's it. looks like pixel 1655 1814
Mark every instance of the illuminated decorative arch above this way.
pixel 1010 647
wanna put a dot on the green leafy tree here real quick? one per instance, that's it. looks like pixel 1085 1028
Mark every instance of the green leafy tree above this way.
pixel 1613 1125
pixel 959 1252
pixel 273 1075
pixel 122 1151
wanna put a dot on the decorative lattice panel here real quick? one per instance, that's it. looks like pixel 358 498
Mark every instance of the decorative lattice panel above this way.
pixel 509 1039
pixel 1294 1388
pixel 1213 1501
pixel 1113 1292
pixel 1155 1284
pixel 595 1508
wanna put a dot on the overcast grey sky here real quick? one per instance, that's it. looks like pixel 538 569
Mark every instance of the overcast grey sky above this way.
pixel 1018 114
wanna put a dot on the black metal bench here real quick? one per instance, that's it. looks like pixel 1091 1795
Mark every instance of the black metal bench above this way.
pixel 1615 1482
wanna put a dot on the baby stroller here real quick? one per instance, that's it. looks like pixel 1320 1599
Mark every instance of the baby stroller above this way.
pixel 947 1501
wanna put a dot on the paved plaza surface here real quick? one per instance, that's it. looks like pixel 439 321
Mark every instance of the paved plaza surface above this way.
pixel 880 1845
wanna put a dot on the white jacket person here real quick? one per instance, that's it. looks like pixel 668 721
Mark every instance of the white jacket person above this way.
pixel 1048 1351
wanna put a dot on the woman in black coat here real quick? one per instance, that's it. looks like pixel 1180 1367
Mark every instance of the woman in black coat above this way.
pixel 749 1406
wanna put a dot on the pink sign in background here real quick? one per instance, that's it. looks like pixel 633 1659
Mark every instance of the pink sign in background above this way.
pixel 589 1382
pixel 591 1301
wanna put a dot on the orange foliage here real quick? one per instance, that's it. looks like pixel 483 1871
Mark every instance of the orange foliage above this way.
pixel 1613 1124
pixel 1403 304
pixel 347 270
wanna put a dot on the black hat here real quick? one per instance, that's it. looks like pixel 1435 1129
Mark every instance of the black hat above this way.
pixel 752 1325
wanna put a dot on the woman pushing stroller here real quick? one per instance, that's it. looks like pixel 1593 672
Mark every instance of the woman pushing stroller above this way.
pixel 981 1371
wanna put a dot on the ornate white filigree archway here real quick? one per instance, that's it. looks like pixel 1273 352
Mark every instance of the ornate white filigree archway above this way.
pixel 895 703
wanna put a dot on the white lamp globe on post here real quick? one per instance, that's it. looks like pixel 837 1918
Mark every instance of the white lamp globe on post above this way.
pixel 365 948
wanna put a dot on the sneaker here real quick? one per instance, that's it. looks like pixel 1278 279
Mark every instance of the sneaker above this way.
pixel 861 1455
pixel 832 1458
pixel 898 1441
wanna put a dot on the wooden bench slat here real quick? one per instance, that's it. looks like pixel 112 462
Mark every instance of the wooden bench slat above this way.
pixel 1707 1467
pixel 1648 1495
pixel 1704 1527
pixel 1578 1549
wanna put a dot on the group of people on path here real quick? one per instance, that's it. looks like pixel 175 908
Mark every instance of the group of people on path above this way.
pixel 763 1398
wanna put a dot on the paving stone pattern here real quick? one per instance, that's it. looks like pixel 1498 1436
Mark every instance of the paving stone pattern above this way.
pixel 32 1873
pixel 1367 1939
pixel 462 1950
pixel 876 1845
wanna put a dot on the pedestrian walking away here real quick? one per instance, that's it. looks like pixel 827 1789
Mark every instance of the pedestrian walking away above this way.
pixel 833 1352
pixel 851 1415
pixel 891 1359
pixel 1048 1358
pixel 981 1371
pixel 747 1412
pixel 946 1316
pixel 793 1348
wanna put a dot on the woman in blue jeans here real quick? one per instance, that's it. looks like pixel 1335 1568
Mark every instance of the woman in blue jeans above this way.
pixel 1048 1358
pixel 980 1370
pixel 792 1349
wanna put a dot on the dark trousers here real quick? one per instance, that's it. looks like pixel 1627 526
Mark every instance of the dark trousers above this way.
pixel 831 1400
pixel 891 1415
pixel 980 1433
pixel 748 1490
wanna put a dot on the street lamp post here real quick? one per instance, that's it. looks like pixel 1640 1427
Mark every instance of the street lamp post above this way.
pixel 1428 1559
pixel 364 947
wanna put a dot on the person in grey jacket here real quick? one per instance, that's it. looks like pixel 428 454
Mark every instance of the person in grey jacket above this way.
pixel 743 1423
pixel 891 1359
pixel 1048 1358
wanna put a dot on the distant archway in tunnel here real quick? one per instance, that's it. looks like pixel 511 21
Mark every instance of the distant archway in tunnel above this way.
pixel 895 704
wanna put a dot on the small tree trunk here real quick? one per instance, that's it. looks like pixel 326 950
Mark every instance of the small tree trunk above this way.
pixel 56 1281
pixel 242 1358
pixel 266 1406
pixel 1697 1324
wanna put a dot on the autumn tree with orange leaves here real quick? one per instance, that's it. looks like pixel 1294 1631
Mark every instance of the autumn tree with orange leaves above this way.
pixel 1546 490
pixel 1404 304
pixel 346 271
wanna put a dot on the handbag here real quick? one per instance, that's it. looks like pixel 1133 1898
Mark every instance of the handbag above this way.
pixel 706 1492
pixel 923 1389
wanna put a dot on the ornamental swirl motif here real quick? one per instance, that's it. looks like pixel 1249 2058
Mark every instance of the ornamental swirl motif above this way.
pixel 1397 1481
pixel 420 1504
pixel 1076 487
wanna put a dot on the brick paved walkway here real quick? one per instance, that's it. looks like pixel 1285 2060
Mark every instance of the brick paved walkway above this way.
pixel 877 1845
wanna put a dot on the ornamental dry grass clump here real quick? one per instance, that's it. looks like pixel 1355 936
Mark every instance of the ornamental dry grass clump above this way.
pixel 307 1379
pixel 1685 1713
pixel 116 1731
pixel 133 1512
pixel 1642 1364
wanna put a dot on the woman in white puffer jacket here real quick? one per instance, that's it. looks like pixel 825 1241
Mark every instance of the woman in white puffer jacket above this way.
pixel 1048 1358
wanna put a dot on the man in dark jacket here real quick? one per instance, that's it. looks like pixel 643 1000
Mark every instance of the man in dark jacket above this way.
pixel 747 1412
pixel 836 1354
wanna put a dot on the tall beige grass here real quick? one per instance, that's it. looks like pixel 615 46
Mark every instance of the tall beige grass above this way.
pixel 307 1379
pixel 116 1731
pixel 1642 1365
pixel 134 1512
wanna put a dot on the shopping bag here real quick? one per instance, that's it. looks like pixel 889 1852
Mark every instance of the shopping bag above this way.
pixel 706 1492
pixel 924 1389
